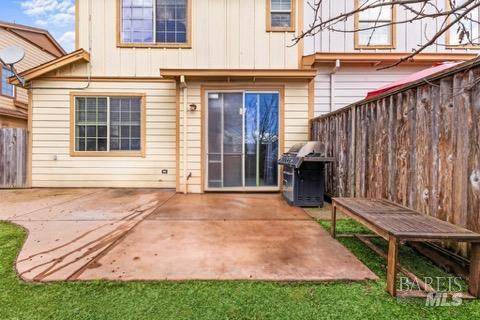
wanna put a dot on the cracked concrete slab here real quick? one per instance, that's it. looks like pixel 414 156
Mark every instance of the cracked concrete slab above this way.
pixel 142 234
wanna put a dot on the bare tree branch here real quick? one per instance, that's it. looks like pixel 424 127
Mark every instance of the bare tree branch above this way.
pixel 459 19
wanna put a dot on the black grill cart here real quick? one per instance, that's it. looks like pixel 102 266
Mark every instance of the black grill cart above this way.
pixel 304 174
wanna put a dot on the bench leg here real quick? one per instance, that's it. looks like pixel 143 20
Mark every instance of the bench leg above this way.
pixel 474 278
pixel 392 266
pixel 334 221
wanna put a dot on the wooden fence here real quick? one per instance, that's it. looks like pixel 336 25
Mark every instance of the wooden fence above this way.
pixel 418 146
pixel 13 158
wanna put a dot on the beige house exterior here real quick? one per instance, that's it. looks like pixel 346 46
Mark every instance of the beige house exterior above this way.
pixel 230 48
pixel 175 74
pixel 39 47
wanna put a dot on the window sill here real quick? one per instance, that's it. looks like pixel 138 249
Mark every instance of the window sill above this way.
pixel 155 45
pixel 385 47
pixel 289 29
pixel 110 154
pixel 462 47
pixel 8 97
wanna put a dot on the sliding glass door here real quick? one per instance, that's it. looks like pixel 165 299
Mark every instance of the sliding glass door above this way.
pixel 242 140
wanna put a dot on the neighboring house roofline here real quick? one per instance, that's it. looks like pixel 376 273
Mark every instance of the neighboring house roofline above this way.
pixel 46 42
pixel 379 57
pixel 19 114
pixel 38 71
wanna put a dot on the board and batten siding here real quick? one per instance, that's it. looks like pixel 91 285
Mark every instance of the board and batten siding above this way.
pixel 353 82
pixel 226 34
pixel 52 165
pixel 408 35
pixel 295 123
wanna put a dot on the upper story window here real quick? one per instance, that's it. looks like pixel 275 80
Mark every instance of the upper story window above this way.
pixel 280 15
pixel 375 26
pixel 7 89
pixel 161 23
pixel 465 33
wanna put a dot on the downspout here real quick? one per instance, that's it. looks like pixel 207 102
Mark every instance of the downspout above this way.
pixel 183 85
pixel 332 84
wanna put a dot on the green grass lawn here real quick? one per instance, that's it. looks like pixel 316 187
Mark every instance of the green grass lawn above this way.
pixel 216 300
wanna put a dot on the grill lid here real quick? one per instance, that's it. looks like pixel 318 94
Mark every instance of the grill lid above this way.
pixel 313 151
pixel 312 147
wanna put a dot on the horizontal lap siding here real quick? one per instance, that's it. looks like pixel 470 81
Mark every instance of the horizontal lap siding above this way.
pixel 52 165
pixel 34 56
pixel 295 124
pixel 296 117
pixel 352 83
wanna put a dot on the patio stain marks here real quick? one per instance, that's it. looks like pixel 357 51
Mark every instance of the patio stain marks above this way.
pixel 72 241
pixel 155 235
pixel 229 237
pixel 226 206
pixel 17 203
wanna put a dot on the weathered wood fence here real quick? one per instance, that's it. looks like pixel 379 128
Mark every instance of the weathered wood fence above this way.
pixel 13 158
pixel 418 146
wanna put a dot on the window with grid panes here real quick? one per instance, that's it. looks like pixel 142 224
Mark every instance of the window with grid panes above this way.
pixel 466 32
pixel 154 21
pixel 105 124
pixel 281 13
pixel 375 25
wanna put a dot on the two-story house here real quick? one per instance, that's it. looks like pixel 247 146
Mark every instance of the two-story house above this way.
pixel 39 47
pixel 197 95
pixel 350 64
pixel 189 94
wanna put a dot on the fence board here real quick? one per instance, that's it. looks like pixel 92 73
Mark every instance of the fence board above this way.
pixel 13 153
pixel 418 146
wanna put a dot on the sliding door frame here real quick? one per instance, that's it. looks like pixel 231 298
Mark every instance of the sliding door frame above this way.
pixel 205 90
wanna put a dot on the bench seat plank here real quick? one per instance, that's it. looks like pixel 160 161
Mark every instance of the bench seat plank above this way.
pixel 395 223
pixel 404 223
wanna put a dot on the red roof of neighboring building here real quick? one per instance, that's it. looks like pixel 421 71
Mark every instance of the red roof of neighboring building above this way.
pixel 412 78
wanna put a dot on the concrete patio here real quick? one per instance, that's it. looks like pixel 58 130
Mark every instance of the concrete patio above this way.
pixel 123 234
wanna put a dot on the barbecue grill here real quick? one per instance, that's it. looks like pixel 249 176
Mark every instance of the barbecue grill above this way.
pixel 304 174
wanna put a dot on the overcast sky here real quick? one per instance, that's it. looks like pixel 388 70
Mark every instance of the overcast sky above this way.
pixel 57 16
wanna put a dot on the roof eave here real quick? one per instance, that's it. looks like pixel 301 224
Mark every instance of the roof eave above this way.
pixel 238 73
pixel 382 57
pixel 33 73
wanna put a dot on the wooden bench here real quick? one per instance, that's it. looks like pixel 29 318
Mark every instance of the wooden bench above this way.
pixel 396 223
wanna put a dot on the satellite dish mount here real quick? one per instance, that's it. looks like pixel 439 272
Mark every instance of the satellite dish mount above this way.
pixel 9 57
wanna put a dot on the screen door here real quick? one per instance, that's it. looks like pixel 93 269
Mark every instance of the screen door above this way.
pixel 242 140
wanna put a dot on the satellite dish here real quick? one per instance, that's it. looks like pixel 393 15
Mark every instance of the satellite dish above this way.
pixel 12 55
